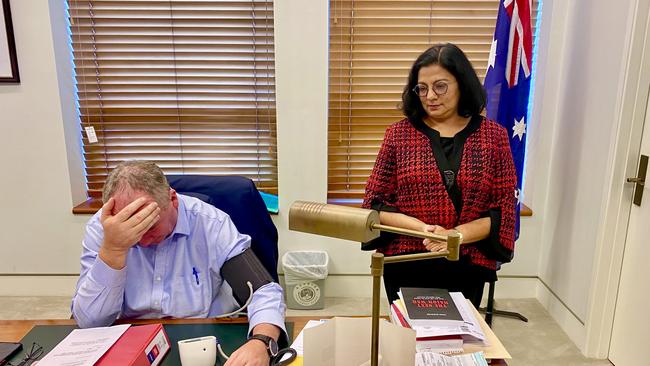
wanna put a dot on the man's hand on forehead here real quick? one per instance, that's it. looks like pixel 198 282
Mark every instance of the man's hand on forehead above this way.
pixel 132 208
pixel 125 228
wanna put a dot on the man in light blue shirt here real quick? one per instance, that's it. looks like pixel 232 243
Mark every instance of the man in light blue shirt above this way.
pixel 152 253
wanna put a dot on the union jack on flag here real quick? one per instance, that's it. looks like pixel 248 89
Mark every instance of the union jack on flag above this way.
pixel 508 78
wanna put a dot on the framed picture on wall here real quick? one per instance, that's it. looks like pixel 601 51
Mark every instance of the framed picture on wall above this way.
pixel 8 60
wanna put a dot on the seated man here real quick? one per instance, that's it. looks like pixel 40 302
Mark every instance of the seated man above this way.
pixel 152 253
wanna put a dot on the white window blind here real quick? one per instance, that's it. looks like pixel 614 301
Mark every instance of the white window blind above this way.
pixel 187 84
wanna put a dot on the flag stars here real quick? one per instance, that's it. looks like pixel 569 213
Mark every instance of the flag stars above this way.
pixel 493 54
pixel 518 195
pixel 519 128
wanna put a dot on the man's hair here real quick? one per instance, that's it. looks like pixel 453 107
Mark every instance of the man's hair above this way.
pixel 144 176
pixel 453 59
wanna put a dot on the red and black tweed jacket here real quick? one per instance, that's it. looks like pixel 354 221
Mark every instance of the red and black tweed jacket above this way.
pixel 406 178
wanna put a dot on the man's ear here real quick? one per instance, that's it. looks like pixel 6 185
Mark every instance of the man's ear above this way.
pixel 173 197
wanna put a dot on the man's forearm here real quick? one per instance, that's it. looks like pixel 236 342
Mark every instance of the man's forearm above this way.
pixel 99 296
pixel 266 311
pixel 116 259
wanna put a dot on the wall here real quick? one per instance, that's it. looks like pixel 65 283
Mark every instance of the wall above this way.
pixel 38 233
pixel 52 247
pixel 578 111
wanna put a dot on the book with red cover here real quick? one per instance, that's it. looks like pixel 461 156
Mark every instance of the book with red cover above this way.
pixel 141 345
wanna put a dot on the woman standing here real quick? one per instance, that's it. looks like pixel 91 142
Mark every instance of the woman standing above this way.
pixel 442 169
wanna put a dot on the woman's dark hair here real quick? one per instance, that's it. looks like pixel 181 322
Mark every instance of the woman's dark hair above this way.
pixel 449 56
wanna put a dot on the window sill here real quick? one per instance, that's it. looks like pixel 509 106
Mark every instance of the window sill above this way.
pixel 92 205
pixel 88 207
pixel 525 210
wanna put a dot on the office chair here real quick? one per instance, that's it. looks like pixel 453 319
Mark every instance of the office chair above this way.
pixel 238 197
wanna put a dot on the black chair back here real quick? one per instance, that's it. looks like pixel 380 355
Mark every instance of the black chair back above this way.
pixel 238 197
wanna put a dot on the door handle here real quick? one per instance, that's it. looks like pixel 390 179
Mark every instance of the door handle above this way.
pixel 639 180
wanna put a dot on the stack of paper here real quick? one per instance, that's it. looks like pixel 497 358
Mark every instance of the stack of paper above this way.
pixel 447 344
pixel 442 336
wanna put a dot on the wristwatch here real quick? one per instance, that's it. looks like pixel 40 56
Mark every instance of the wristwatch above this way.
pixel 270 343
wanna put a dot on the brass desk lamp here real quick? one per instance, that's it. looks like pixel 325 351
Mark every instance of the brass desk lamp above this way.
pixel 362 225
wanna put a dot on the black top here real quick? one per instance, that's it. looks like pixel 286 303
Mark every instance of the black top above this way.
pixel 448 152
pixel 447 146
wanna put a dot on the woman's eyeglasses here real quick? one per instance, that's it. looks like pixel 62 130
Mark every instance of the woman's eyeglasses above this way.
pixel 34 354
pixel 440 88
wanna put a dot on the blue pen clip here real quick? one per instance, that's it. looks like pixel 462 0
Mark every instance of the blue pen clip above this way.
pixel 196 274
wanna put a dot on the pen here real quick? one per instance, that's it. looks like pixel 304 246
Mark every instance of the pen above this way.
pixel 196 274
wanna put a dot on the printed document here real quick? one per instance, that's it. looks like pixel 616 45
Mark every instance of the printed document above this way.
pixel 83 347
pixel 436 359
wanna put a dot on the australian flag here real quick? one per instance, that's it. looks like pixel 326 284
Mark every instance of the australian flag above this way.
pixel 508 77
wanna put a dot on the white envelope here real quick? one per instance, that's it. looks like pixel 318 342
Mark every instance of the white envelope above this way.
pixel 346 342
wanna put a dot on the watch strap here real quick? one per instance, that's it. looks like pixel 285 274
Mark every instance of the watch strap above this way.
pixel 266 340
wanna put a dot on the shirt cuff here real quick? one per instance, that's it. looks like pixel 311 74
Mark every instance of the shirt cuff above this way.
pixel 268 307
pixel 268 317
pixel 491 246
pixel 106 276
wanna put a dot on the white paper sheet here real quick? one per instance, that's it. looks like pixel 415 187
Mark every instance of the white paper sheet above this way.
pixel 83 347
pixel 298 343
pixel 436 359
pixel 346 341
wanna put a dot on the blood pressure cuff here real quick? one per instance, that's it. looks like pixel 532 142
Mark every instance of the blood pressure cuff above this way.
pixel 245 267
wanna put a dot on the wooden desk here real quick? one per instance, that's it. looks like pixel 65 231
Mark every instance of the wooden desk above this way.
pixel 15 330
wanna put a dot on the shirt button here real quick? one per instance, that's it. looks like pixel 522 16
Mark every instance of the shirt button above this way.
pixel 158 278
pixel 155 303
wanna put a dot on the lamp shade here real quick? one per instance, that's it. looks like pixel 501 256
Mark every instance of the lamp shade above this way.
pixel 350 223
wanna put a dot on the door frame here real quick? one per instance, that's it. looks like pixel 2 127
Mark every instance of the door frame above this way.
pixel 610 246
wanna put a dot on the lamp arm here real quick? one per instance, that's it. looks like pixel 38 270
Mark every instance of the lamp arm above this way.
pixel 415 257
pixel 409 232
pixel 453 244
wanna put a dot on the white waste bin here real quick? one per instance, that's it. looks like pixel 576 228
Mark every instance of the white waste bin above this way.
pixel 304 277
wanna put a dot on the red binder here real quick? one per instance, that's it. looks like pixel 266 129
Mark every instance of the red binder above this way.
pixel 141 345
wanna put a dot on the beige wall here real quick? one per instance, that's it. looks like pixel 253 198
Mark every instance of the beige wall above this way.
pixel 38 233
pixel 578 111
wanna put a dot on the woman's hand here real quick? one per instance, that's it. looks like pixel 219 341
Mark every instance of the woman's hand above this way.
pixel 435 245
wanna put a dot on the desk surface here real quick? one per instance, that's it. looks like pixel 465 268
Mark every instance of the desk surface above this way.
pixel 15 330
